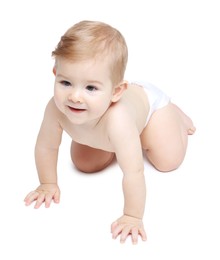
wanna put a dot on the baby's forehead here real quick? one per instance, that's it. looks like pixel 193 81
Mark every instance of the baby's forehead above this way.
pixel 102 61
pixel 91 68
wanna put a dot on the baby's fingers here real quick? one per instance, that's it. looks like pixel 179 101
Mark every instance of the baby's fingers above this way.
pixel 56 197
pixel 116 230
pixel 32 196
pixel 134 235
pixel 48 199
pixel 113 226
pixel 143 234
pixel 125 233
pixel 40 200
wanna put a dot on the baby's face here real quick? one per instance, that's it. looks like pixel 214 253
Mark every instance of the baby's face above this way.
pixel 83 90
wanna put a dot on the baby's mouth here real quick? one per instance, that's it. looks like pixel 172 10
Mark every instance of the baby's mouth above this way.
pixel 76 110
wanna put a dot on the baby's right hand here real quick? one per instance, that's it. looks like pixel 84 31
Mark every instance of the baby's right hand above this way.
pixel 44 193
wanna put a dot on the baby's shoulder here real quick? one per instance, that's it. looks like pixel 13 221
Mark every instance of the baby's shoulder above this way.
pixel 131 110
pixel 117 111
pixel 119 116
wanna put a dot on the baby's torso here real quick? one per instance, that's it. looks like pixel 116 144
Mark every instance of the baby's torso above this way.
pixel 134 101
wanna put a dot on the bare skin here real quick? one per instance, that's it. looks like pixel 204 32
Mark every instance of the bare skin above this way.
pixel 106 122
pixel 164 157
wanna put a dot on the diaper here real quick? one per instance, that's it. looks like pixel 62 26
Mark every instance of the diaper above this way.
pixel 156 97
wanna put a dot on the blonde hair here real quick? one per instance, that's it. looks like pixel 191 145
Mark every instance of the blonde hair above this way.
pixel 91 39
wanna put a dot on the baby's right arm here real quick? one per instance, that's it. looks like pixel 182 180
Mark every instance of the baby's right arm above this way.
pixel 46 154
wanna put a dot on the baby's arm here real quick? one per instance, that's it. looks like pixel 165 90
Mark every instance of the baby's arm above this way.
pixel 126 141
pixel 134 202
pixel 46 154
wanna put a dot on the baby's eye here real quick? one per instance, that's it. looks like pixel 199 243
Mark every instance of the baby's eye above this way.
pixel 65 83
pixel 91 88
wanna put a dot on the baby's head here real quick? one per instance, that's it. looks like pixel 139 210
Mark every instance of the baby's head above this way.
pixel 95 40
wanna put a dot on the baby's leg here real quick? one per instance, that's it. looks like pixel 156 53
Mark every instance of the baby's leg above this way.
pixel 165 137
pixel 88 159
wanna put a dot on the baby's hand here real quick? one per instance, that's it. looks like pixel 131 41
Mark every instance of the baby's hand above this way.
pixel 44 193
pixel 126 226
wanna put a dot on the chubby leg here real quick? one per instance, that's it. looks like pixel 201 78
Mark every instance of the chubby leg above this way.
pixel 165 137
pixel 88 159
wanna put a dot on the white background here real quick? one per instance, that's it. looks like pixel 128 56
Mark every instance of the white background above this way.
pixel 172 44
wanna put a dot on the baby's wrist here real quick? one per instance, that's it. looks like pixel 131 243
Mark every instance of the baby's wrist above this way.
pixel 133 216
pixel 48 183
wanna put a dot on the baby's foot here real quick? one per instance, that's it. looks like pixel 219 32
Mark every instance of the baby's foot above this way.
pixel 187 122
pixel 191 130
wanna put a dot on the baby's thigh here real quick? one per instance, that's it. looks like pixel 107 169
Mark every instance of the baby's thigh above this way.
pixel 88 159
pixel 165 138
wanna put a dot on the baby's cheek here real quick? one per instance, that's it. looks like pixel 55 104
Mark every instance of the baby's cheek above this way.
pixel 58 104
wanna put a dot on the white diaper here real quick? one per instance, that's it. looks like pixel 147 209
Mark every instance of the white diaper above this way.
pixel 156 97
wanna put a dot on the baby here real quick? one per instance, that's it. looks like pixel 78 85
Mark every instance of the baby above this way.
pixel 106 117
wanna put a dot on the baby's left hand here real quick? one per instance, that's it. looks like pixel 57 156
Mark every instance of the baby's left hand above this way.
pixel 126 226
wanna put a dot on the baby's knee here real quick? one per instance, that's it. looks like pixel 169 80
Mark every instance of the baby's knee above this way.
pixel 84 166
pixel 164 163
pixel 167 165
pixel 91 165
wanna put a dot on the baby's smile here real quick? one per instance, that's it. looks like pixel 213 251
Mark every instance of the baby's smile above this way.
pixel 76 109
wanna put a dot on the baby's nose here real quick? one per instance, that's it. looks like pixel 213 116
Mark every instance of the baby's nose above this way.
pixel 76 96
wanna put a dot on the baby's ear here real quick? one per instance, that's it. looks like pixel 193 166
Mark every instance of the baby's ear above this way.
pixel 118 91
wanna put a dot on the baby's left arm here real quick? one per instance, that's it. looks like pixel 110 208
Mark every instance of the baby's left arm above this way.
pixel 134 202
pixel 126 142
